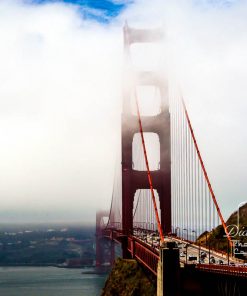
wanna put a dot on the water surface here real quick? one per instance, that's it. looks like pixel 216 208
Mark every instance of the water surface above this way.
pixel 49 281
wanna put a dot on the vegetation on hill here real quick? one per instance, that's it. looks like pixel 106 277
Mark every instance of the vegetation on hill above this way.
pixel 128 279
pixel 237 226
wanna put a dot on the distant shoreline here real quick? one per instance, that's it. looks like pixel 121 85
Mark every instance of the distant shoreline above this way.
pixel 46 265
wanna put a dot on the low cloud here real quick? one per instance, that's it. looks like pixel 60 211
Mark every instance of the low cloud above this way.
pixel 60 99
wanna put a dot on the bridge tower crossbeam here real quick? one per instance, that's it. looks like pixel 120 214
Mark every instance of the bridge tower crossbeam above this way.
pixel 132 179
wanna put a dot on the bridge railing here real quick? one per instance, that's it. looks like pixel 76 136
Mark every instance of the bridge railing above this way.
pixel 144 255
pixel 224 269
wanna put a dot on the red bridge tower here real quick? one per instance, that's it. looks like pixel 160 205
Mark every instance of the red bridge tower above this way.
pixel 132 179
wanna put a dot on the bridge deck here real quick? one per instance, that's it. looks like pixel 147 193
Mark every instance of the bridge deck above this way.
pixel 148 255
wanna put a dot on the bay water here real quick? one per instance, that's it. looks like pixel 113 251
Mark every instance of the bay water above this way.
pixel 50 281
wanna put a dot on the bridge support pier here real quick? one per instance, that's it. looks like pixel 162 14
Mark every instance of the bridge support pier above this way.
pixel 168 277
pixel 125 252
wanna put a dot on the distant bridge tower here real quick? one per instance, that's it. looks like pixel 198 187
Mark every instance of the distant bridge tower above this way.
pixel 105 251
pixel 132 179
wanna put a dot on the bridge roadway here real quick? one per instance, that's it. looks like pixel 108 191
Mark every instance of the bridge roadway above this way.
pixel 189 249
pixel 147 253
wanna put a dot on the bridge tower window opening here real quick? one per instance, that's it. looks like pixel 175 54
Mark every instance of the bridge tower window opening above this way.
pixel 143 210
pixel 104 221
pixel 153 149
pixel 149 99
pixel 148 56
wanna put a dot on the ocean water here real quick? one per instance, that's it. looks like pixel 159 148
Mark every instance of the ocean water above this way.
pixel 50 281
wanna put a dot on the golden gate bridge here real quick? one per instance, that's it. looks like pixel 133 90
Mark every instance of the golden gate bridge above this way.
pixel 163 203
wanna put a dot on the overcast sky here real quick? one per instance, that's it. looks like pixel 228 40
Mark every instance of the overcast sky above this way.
pixel 60 98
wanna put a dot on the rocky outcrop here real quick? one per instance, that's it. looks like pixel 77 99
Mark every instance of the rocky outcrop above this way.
pixel 127 278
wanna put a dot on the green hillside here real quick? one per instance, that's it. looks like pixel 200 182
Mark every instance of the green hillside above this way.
pixel 127 278
pixel 237 226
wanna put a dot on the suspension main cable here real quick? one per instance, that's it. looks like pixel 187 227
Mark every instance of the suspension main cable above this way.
pixel 148 171
pixel 206 175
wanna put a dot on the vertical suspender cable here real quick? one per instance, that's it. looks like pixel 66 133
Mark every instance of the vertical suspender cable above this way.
pixel 189 181
pixel 176 162
pixel 148 172
pixel 182 172
pixel 206 175
pixel 186 177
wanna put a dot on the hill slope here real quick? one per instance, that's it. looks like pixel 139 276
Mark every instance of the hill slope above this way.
pixel 128 279
pixel 237 224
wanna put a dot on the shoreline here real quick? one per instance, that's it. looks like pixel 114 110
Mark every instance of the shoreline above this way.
pixel 46 265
